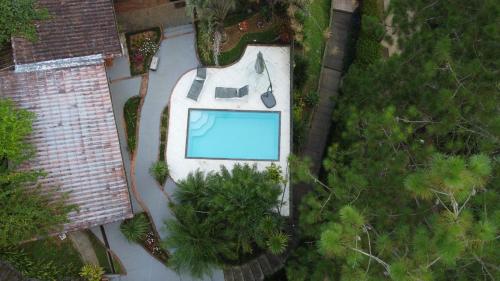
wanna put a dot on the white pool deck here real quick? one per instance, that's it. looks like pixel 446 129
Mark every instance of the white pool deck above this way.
pixel 236 76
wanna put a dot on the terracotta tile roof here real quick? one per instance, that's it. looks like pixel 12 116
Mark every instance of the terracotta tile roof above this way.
pixel 75 28
pixel 75 138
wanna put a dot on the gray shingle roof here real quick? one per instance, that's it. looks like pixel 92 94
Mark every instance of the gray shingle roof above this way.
pixel 75 139
pixel 75 28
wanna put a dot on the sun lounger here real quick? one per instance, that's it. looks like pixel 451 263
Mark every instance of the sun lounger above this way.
pixel 229 93
pixel 226 93
pixel 243 91
pixel 195 90
pixel 197 86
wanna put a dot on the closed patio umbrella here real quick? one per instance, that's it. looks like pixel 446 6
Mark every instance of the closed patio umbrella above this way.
pixel 259 63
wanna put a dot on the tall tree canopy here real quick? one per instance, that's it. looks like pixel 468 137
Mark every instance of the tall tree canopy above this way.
pixel 16 19
pixel 412 173
pixel 26 210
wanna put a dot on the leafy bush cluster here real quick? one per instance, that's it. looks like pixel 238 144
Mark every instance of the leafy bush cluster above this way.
pixel 159 170
pixel 222 217
pixel 136 228
pixel 130 112
pixel 368 47
pixel 24 214
pixel 29 267
pixel 17 19
pixel 91 272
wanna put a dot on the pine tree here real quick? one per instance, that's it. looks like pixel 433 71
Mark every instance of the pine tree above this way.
pixel 413 154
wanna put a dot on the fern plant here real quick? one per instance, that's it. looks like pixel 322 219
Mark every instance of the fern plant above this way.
pixel 277 243
pixel 159 170
pixel 136 228
pixel 92 272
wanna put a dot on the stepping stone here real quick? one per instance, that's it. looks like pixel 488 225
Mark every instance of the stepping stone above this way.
pixel 247 273
pixel 228 274
pixel 256 270
pixel 237 274
pixel 264 265
pixel 275 262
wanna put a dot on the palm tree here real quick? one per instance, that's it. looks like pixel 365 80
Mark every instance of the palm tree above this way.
pixel 214 12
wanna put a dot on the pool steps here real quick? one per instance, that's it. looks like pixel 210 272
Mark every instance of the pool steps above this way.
pixel 201 124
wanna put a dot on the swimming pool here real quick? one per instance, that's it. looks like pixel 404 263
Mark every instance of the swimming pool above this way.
pixel 231 134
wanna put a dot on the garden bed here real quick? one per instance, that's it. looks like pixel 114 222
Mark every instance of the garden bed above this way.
pixel 163 133
pixel 149 239
pixel 42 260
pixel 270 33
pixel 142 46
pixel 131 112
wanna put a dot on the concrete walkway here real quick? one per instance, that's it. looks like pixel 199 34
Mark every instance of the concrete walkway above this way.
pixel 317 140
pixel 81 242
pixel 329 82
pixel 177 55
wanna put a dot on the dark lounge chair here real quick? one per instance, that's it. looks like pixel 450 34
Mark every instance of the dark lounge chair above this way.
pixel 195 90
pixel 197 86
pixel 228 93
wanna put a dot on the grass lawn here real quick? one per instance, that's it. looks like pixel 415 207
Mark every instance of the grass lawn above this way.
pixel 315 25
pixel 130 111
pixel 61 254
pixel 102 256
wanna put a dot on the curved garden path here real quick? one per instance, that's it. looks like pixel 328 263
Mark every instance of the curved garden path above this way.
pixel 177 55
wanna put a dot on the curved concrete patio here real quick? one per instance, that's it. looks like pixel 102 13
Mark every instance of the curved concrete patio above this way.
pixel 237 75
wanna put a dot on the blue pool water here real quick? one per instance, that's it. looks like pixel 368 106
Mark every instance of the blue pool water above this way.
pixel 222 134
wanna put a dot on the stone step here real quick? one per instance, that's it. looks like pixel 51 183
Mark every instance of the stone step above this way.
pixel 237 274
pixel 228 274
pixel 247 273
pixel 256 270
pixel 275 262
pixel 265 265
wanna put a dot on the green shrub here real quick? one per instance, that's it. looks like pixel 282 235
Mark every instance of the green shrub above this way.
pixel 159 170
pixel 204 43
pixel 372 28
pixel 163 132
pixel 136 228
pixel 219 217
pixel 92 272
pixel 367 51
pixel 277 243
pixel 311 99
pixel 299 71
pixel 130 112
pixel 29 267
pixel 368 48
pixel 371 8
